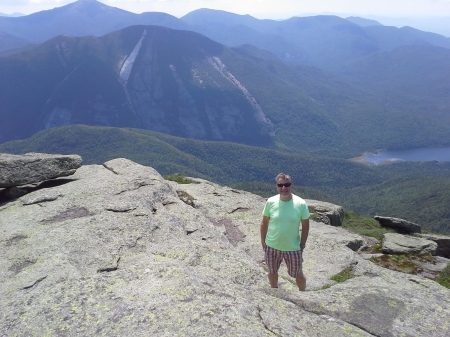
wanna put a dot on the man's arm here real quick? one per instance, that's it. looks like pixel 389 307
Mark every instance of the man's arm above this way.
pixel 305 232
pixel 264 229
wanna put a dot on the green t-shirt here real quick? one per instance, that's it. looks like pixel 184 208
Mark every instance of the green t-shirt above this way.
pixel 284 224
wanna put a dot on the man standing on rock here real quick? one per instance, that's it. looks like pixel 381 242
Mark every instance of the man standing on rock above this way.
pixel 282 237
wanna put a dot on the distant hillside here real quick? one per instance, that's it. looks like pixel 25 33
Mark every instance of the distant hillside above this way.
pixel 362 21
pixel 437 24
pixel 223 162
pixel 11 42
pixel 411 78
pixel 81 18
pixel 418 192
pixel 323 41
pixel 184 84
pixel 143 76
pixel 313 85
pixel 327 42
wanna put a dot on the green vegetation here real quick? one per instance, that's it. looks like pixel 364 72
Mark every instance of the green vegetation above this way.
pixel 402 262
pixel 422 199
pixel 444 277
pixel 364 226
pixel 180 179
pixel 344 275
pixel 418 192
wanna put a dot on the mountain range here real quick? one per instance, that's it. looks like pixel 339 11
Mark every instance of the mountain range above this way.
pixel 80 18
pixel 317 40
pixel 307 93
pixel 320 85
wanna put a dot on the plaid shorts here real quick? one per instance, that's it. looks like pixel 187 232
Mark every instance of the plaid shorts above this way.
pixel 293 261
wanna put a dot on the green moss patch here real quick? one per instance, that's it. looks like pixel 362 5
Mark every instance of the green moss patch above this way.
pixel 180 179
pixel 344 275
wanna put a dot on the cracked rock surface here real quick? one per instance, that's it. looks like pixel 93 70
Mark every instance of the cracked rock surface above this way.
pixel 119 251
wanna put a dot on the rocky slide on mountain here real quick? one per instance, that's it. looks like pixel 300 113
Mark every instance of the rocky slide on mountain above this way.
pixel 117 250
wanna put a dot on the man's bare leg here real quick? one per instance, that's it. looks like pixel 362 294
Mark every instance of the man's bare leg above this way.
pixel 273 280
pixel 301 282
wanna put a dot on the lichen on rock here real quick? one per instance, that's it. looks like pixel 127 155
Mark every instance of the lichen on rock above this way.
pixel 118 253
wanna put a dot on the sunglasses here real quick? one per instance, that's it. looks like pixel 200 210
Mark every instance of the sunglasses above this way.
pixel 285 185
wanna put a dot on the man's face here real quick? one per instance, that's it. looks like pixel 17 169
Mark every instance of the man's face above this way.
pixel 284 187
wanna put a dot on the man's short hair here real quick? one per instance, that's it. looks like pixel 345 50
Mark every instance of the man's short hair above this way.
pixel 283 176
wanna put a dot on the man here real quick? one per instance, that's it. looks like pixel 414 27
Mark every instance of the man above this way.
pixel 281 235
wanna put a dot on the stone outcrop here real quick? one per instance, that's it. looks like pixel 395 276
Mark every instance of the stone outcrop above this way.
pixel 119 251
pixel 394 243
pixel 442 241
pixel 326 212
pixel 400 225
pixel 31 168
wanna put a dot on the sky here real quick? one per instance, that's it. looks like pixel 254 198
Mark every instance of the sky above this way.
pixel 261 9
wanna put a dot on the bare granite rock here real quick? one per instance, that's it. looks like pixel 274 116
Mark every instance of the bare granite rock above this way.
pixel 326 212
pixel 119 251
pixel 30 168
pixel 400 225
pixel 394 243
pixel 443 243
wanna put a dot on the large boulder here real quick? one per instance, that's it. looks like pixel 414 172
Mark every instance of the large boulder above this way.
pixel 30 168
pixel 443 243
pixel 119 251
pixel 394 243
pixel 400 225
pixel 326 212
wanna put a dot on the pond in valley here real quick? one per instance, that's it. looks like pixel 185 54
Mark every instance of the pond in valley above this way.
pixel 417 154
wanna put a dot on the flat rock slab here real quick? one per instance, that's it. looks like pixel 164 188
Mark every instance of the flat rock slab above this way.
pixel 32 168
pixel 401 225
pixel 438 264
pixel 394 243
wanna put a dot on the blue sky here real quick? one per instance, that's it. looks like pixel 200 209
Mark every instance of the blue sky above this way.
pixel 273 9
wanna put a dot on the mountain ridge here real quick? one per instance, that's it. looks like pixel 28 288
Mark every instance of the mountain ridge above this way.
pixel 370 91
pixel 81 18
pixel 198 88
pixel 97 62
pixel 203 20
pixel 308 40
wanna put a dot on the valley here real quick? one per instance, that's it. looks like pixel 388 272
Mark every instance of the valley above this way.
pixel 235 100
pixel 418 192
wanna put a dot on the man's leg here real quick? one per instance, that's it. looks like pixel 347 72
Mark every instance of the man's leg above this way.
pixel 273 280
pixel 301 282
pixel 273 261
pixel 294 261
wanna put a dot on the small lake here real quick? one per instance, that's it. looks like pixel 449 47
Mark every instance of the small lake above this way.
pixel 418 154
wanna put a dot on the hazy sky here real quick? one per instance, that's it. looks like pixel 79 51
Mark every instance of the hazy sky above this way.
pixel 273 9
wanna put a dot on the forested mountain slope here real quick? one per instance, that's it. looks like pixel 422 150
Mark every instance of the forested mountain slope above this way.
pixel 418 192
